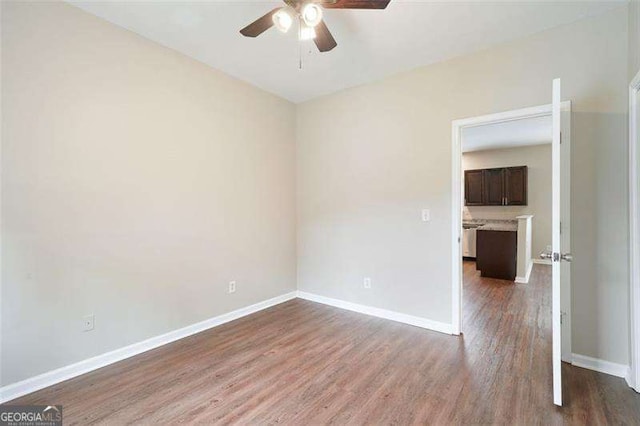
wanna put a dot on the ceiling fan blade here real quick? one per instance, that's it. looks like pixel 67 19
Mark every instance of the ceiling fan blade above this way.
pixel 324 40
pixel 260 25
pixel 354 4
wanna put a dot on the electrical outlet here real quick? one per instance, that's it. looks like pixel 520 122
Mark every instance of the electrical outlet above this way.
pixel 426 215
pixel 88 322
pixel 232 286
pixel 367 282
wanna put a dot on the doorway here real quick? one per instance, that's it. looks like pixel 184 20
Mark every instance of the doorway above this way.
pixel 561 124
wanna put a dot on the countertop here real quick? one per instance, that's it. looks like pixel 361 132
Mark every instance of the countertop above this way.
pixel 491 224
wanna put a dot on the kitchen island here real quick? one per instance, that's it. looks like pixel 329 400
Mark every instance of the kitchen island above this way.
pixel 496 248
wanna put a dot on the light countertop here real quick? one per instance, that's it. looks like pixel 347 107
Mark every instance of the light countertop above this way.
pixel 492 224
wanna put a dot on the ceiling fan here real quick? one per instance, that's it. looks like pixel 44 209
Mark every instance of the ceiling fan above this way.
pixel 309 15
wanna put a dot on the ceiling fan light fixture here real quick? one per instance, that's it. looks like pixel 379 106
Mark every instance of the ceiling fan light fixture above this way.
pixel 311 14
pixel 307 32
pixel 282 20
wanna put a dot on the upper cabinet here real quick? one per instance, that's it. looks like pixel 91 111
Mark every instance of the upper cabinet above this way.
pixel 505 186
pixel 474 188
pixel 494 187
pixel 515 186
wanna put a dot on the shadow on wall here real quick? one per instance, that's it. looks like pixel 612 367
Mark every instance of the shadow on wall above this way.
pixel 599 237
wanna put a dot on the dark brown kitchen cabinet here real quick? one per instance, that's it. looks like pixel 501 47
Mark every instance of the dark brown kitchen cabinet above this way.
pixel 515 186
pixel 493 187
pixel 504 186
pixel 473 188
pixel 496 253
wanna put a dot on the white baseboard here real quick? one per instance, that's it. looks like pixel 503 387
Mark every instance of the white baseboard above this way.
pixel 380 313
pixel 600 365
pixel 16 390
pixel 525 279
pixel 53 377
pixel 541 261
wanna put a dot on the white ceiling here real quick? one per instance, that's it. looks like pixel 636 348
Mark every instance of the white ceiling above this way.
pixel 371 43
pixel 510 134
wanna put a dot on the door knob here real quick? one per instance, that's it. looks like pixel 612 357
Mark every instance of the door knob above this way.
pixel 567 257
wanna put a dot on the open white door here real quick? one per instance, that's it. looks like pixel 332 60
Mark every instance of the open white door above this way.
pixel 556 255
pixel 560 241
pixel 565 230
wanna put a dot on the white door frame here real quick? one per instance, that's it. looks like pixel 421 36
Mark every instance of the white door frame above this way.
pixel 634 235
pixel 456 203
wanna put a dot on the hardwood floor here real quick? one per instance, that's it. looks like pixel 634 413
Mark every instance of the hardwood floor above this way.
pixel 305 363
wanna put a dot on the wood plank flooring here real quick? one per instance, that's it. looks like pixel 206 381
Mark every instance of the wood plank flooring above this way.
pixel 306 363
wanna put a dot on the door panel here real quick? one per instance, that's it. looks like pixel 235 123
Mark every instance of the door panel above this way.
pixel 555 245
pixel 565 231
pixel 494 187
pixel 515 184
pixel 473 188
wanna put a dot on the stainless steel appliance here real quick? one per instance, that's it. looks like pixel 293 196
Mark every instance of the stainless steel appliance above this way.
pixel 469 240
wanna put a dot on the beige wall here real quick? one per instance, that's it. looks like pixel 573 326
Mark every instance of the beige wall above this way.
pixel 135 184
pixel 538 160
pixel 634 38
pixel 369 158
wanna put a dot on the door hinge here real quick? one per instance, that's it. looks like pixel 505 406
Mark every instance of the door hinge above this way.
pixel 561 227
pixel 560 137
